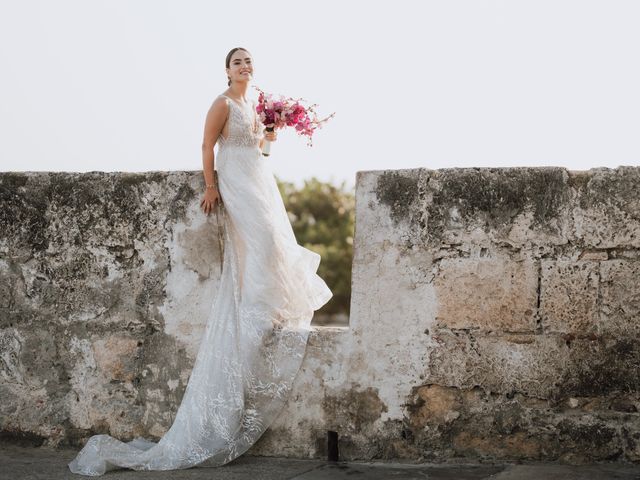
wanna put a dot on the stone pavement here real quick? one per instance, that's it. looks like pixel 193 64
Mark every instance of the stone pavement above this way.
pixel 19 463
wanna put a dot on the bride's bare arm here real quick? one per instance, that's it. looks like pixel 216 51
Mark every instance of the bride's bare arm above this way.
pixel 271 136
pixel 266 136
pixel 214 123
pixel 259 125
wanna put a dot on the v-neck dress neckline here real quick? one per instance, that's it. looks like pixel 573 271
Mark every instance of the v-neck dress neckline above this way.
pixel 243 116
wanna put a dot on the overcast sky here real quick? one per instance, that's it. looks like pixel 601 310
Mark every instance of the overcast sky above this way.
pixel 124 85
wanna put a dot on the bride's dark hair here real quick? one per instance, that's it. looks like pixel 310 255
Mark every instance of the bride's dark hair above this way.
pixel 227 62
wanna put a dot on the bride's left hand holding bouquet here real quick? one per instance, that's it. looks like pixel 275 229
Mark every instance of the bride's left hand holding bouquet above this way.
pixel 287 112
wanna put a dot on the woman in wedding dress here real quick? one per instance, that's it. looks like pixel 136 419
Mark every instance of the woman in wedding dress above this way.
pixel 257 328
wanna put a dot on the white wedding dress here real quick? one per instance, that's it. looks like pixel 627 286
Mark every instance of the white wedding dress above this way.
pixel 256 331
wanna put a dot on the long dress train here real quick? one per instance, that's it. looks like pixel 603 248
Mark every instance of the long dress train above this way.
pixel 256 331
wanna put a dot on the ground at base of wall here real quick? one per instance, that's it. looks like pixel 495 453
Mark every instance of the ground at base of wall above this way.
pixel 18 463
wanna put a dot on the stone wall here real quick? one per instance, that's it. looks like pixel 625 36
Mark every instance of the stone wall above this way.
pixel 494 314
pixel 105 283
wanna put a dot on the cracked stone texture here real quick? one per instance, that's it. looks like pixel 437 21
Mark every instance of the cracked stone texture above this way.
pixel 569 296
pixel 494 315
pixel 511 285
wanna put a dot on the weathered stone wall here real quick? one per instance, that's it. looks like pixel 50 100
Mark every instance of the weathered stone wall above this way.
pixel 494 314
pixel 105 282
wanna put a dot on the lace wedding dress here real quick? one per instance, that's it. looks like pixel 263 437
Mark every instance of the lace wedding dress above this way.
pixel 256 331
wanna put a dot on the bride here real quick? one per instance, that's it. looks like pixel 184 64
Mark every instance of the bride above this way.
pixel 257 329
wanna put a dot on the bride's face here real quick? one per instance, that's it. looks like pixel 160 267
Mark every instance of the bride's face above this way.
pixel 240 67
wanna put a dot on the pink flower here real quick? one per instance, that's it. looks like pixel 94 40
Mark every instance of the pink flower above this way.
pixel 288 112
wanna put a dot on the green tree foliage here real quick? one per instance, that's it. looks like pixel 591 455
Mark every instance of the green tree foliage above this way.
pixel 322 216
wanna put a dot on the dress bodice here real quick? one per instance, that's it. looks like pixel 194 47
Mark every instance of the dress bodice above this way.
pixel 244 127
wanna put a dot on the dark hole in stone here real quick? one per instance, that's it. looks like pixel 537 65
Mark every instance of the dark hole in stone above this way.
pixel 406 434
pixel 332 446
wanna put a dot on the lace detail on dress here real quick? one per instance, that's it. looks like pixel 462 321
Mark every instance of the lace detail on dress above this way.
pixel 244 127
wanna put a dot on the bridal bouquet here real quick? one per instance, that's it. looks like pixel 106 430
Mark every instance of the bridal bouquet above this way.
pixel 287 112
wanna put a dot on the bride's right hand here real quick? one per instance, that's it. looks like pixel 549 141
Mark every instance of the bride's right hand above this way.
pixel 210 199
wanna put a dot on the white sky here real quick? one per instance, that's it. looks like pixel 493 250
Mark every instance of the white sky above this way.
pixel 124 85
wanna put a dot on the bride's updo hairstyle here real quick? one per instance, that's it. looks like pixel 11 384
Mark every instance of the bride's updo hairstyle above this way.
pixel 227 62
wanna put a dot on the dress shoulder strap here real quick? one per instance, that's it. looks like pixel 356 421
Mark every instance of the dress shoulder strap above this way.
pixel 229 98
